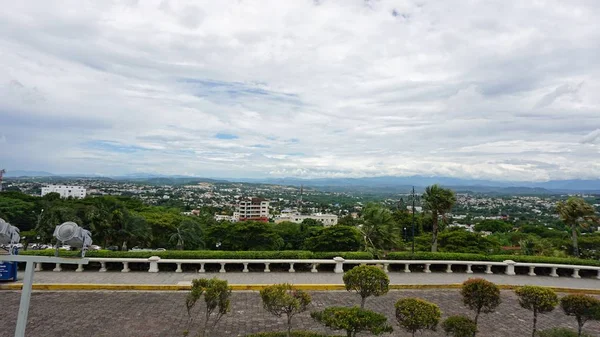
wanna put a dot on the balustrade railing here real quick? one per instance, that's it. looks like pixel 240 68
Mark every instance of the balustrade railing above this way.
pixel 508 267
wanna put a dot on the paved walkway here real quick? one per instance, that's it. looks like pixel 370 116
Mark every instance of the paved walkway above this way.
pixel 302 278
pixel 158 314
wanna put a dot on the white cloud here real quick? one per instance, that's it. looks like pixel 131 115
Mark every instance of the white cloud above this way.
pixel 365 87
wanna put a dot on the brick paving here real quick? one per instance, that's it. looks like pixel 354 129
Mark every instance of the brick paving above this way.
pixel 154 314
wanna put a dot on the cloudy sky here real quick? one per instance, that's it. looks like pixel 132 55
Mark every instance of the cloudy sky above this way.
pixel 503 90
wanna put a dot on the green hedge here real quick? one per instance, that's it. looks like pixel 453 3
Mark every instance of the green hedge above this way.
pixel 210 254
pixel 494 258
pixel 294 334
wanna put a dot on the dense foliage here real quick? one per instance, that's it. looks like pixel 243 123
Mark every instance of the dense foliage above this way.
pixel 352 320
pixel 480 295
pixel 366 281
pixel 282 299
pixel 459 326
pixel 217 302
pixel 537 299
pixel 583 307
pixel 414 314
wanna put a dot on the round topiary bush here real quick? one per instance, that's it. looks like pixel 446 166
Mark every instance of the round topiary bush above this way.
pixel 367 281
pixel 459 326
pixel 414 314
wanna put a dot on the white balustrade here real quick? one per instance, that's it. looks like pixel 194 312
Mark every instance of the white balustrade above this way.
pixel 79 268
pixel 509 265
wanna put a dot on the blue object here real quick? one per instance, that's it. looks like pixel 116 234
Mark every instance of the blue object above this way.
pixel 8 271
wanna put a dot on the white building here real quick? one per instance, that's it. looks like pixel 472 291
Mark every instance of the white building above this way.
pixel 65 191
pixel 253 209
pixel 326 219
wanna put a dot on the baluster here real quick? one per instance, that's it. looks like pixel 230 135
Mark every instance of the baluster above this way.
pixel 79 268
pixel 554 273
pixel 38 266
pixel 576 273
pixel 201 268
pixel 314 268
pixel 102 267
pixel 245 267
pixel 469 270
pixel 57 268
pixel 449 269
pixel 488 269
pixel 291 268
pixel 386 267
pixel 267 270
pixel 179 270
pixel 531 271
pixel 407 268
pixel 125 267
pixel 427 266
pixel 222 270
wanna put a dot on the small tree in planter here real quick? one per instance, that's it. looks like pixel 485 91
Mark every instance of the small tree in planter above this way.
pixel 281 299
pixel 537 299
pixel 459 326
pixel 414 314
pixel 352 320
pixel 481 296
pixel 367 281
pixel 584 308
pixel 217 296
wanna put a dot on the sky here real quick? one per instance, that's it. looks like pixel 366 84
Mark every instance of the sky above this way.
pixel 500 90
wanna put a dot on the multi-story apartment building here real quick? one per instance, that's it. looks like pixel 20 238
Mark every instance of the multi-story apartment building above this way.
pixel 254 209
pixel 65 191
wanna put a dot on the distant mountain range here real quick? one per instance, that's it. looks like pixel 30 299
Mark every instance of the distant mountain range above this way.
pixel 386 184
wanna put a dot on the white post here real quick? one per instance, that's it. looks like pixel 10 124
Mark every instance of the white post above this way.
pixel 38 266
pixel 553 273
pixel 291 270
pixel 201 268
pixel 407 268
pixel 222 270
pixel 153 264
pixel 57 268
pixel 576 273
pixel 79 268
pixel 449 269
pixel 339 265
pixel 427 270
pixel 25 297
pixel 510 267
pixel 598 277
pixel 245 267
pixel 178 270
pixel 102 267
pixel 125 267
pixel 469 270
pixel 386 267
pixel 531 271
pixel 267 270
pixel 314 268
pixel 488 269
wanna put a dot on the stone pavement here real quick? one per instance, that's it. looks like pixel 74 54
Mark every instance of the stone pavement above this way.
pixel 301 278
pixel 158 314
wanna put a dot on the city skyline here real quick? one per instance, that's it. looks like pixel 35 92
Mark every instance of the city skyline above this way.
pixel 309 89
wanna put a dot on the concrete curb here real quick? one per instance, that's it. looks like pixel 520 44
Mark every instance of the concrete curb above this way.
pixel 256 287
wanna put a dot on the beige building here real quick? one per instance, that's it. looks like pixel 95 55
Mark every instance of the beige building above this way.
pixel 326 219
pixel 252 209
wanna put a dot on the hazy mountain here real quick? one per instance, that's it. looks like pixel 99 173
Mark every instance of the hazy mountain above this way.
pixel 22 173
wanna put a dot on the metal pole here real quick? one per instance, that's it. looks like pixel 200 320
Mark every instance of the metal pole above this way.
pixel 413 220
pixel 25 297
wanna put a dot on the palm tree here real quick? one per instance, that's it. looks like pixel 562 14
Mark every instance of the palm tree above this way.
pixel 189 232
pixel 379 229
pixel 438 201
pixel 575 212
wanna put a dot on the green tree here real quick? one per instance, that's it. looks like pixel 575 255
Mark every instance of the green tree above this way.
pixel 334 239
pixel 574 213
pixel 583 307
pixel 243 235
pixel 415 314
pixel 438 201
pixel 366 281
pixel 537 299
pixel 459 326
pixel 352 320
pixel 480 295
pixel 282 299
pixel 379 229
pixel 217 294
pixel 188 235
pixel 494 226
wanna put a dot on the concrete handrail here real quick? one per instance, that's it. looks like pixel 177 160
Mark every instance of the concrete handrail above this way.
pixel 508 265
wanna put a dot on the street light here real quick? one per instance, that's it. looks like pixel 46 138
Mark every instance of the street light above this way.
pixel 71 234
pixel 9 235
pixel 413 198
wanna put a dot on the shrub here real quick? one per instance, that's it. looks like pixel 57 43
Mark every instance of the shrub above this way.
pixel 459 326
pixel 585 308
pixel 216 297
pixel 538 300
pixel 414 314
pixel 366 281
pixel 559 332
pixel 352 320
pixel 480 295
pixel 281 299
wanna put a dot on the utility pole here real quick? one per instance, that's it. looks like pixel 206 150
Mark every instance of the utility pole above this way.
pixel 413 220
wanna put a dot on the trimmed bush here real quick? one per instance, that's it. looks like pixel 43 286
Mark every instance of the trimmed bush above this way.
pixel 209 254
pixel 282 299
pixel 492 258
pixel 559 332
pixel 352 320
pixel 538 300
pixel 583 307
pixel 217 294
pixel 480 296
pixel 367 281
pixel 459 326
pixel 414 314
pixel 294 334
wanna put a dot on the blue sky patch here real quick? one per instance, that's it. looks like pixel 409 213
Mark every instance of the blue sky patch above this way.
pixel 222 135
